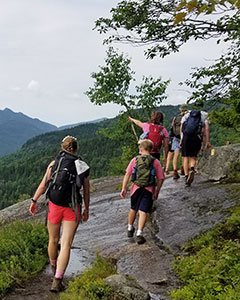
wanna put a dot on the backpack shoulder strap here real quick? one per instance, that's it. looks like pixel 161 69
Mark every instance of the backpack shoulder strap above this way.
pixel 152 160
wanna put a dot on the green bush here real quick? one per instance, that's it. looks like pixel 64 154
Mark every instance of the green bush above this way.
pixel 23 252
pixel 212 271
pixel 91 285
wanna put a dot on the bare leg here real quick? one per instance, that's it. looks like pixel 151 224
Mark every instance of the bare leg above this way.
pixel 169 158
pixel 131 216
pixel 186 165
pixel 142 220
pixel 192 162
pixel 54 235
pixel 68 232
pixel 175 159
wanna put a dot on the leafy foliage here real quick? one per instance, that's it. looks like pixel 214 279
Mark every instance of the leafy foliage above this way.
pixel 212 270
pixel 112 84
pixel 166 25
pixel 194 7
pixel 91 285
pixel 23 252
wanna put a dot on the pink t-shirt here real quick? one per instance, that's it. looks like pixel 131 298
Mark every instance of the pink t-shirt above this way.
pixel 145 128
pixel 158 170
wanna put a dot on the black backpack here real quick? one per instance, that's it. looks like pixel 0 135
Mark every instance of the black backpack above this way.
pixel 62 189
pixel 176 125
pixel 193 125
pixel 143 173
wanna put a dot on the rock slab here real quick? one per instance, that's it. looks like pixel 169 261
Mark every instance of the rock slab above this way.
pixel 216 163
pixel 126 288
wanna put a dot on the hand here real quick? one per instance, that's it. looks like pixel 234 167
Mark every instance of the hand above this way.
pixel 208 145
pixel 155 195
pixel 129 119
pixel 85 215
pixel 123 193
pixel 33 209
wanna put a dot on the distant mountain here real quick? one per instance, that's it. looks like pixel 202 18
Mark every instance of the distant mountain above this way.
pixel 17 128
pixel 81 123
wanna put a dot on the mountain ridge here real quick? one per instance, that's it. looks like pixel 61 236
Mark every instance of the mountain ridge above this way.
pixel 16 129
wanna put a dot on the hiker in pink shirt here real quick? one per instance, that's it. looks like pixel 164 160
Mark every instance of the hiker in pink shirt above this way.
pixel 154 131
pixel 146 169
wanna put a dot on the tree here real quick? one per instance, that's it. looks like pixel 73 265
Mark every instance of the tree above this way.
pixel 113 81
pixel 159 25
pixel 166 25
pixel 112 85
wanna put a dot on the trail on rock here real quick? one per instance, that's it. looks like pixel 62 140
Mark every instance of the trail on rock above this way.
pixel 180 213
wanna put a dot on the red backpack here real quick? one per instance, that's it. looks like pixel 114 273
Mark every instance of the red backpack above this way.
pixel 156 136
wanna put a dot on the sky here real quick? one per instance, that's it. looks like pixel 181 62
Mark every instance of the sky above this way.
pixel 48 50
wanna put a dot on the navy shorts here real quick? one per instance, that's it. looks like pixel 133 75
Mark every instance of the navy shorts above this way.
pixel 142 200
pixel 191 146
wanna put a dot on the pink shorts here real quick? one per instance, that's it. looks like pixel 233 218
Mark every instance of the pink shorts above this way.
pixel 60 213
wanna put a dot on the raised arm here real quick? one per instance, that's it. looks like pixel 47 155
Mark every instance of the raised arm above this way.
pixel 137 122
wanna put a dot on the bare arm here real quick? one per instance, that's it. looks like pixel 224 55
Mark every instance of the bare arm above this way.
pixel 207 127
pixel 124 185
pixel 41 189
pixel 158 188
pixel 86 199
pixel 137 122
pixel 165 145
pixel 180 135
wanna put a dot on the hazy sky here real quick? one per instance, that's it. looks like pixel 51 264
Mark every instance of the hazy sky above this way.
pixel 48 51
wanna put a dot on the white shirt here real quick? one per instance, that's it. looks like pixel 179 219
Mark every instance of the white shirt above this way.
pixel 204 118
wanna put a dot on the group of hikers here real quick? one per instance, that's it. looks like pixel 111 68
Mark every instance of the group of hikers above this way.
pixel 68 174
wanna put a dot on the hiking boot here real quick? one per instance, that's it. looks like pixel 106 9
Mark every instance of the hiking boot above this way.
pixel 140 239
pixel 130 232
pixel 190 177
pixel 182 172
pixel 175 175
pixel 57 285
pixel 166 172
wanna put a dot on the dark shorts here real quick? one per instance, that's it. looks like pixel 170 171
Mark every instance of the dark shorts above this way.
pixel 170 148
pixel 191 146
pixel 142 200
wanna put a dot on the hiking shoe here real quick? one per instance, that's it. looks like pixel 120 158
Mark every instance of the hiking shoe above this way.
pixel 175 175
pixel 140 239
pixel 166 172
pixel 57 285
pixel 190 177
pixel 182 172
pixel 130 232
